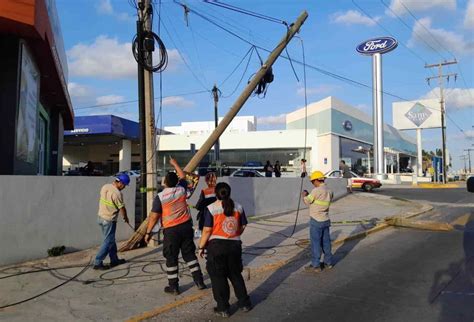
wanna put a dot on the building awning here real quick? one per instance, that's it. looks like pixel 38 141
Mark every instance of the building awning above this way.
pixel 36 22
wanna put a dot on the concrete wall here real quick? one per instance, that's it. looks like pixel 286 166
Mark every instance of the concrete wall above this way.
pixel 40 212
pixel 262 196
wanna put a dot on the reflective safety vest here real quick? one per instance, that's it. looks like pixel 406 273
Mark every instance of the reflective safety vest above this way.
pixel 224 227
pixel 319 201
pixel 175 210
pixel 209 192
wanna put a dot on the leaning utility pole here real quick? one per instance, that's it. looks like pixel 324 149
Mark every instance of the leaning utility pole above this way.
pixel 440 78
pixel 215 94
pixel 469 158
pixel 206 147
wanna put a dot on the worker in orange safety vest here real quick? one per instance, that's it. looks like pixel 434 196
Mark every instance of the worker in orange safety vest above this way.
pixel 171 206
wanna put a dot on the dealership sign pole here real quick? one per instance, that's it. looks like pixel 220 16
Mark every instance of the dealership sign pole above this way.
pixel 375 48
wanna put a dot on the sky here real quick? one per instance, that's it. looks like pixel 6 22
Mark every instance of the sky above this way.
pixel 103 74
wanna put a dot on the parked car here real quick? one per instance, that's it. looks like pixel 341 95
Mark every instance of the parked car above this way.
pixel 131 173
pixel 246 173
pixel 367 184
pixel 253 165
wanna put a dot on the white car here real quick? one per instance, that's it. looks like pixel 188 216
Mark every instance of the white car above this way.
pixel 246 173
pixel 367 184
pixel 131 173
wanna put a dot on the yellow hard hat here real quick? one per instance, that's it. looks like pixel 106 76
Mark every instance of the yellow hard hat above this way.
pixel 316 175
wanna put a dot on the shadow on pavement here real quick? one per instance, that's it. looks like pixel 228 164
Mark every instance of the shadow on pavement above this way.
pixel 453 287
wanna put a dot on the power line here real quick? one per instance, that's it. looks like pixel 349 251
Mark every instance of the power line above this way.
pixel 320 70
pixel 135 101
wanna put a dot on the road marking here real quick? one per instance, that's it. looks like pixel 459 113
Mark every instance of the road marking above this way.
pixel 461 221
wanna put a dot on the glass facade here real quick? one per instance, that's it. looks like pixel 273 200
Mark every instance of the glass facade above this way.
pixel 356 155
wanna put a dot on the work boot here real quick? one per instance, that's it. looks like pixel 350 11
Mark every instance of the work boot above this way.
pixel 118 262
pixel 200 285
pixel 328 266
pixel 101 267
pixel 222 314
pixel 246 308
pixel 312 269
pixel 173 290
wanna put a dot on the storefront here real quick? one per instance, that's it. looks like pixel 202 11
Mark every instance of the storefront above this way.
pixel 34 101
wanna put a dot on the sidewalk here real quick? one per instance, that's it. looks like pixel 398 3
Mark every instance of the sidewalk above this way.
pixel 130 290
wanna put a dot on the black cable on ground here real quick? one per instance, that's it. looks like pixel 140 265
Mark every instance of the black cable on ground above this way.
pixel 48 290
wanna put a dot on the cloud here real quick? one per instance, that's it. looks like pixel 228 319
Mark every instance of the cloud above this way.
pixel 79 91
pixel 418 5
pixel 353 17
pixel 109 99
pixel 177 101
pixel 321 89
pixel 457 98
pixel 105 7
pixel 272 120
pixel 423 34
pixel 364 108
pixel 107 58
pixel 469 17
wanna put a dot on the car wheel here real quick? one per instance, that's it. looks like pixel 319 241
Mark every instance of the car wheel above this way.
pixel 368 187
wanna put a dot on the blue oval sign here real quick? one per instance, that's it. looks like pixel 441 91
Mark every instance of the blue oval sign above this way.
pixel 379 45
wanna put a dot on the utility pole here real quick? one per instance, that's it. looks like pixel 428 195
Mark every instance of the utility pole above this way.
pixel 463 158
pixel 141 112
pixel 146 106
pixel 441 78
pixel 215 94
pixel 150 129
pixel 243 97
pixel 469 158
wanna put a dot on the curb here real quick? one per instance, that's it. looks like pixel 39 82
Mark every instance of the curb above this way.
pixel 438 186
pixel 249 272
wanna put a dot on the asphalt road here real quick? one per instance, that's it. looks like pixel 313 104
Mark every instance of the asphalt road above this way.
pixel 395 275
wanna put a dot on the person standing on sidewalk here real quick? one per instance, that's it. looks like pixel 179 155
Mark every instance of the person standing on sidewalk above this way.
pixel 268 169
pixel 346 174
pixel 319 201
pixel 277 169
pixel 224 222
pixel 171 206
pixel 110 206
pixel 207 196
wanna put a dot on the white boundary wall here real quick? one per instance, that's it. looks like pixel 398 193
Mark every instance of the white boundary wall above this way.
pixel 262 196
pixel 40 212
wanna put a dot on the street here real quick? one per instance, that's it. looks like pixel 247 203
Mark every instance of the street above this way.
pixel 396 275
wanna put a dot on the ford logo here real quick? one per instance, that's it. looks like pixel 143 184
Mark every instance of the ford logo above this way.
pixel 347 125
pixel 379 45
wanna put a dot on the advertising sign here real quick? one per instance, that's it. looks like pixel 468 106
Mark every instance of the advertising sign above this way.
pixel 27 108
pixel 422 114
pixel 379 45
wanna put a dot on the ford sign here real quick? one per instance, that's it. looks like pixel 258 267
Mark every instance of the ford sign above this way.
pixel 377 45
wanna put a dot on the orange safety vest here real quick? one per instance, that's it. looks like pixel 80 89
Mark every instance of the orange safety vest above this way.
pixel 225 227
pixel 174 206
pixel 209 192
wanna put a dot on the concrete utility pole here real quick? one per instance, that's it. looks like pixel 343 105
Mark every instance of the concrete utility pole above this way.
pixel 206 147
pixel 440 78
pixel 464 158
pixel 215 94
pixel 141 112
pixel 469 158
pixel 151 153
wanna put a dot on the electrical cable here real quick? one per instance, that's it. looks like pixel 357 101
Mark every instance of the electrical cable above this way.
pixel 48 290
pixel 243 74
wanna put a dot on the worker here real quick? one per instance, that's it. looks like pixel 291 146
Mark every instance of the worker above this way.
pixel 224 222
pixel 110 206
pixel 319 201
pixel 171 207
pixel 207 196
pixel 346 174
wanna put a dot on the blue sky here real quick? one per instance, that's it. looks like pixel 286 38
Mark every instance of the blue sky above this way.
pixel 98 34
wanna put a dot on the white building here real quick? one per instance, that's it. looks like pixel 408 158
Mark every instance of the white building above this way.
pixel 239 124
pixel 335 131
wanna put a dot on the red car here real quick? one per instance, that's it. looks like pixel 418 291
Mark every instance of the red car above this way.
pixel 368 184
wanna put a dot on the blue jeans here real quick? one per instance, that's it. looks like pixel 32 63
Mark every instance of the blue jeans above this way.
pixel 108 247
pixel 320 238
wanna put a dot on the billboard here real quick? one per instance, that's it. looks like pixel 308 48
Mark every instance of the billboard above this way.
pixel 421 114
